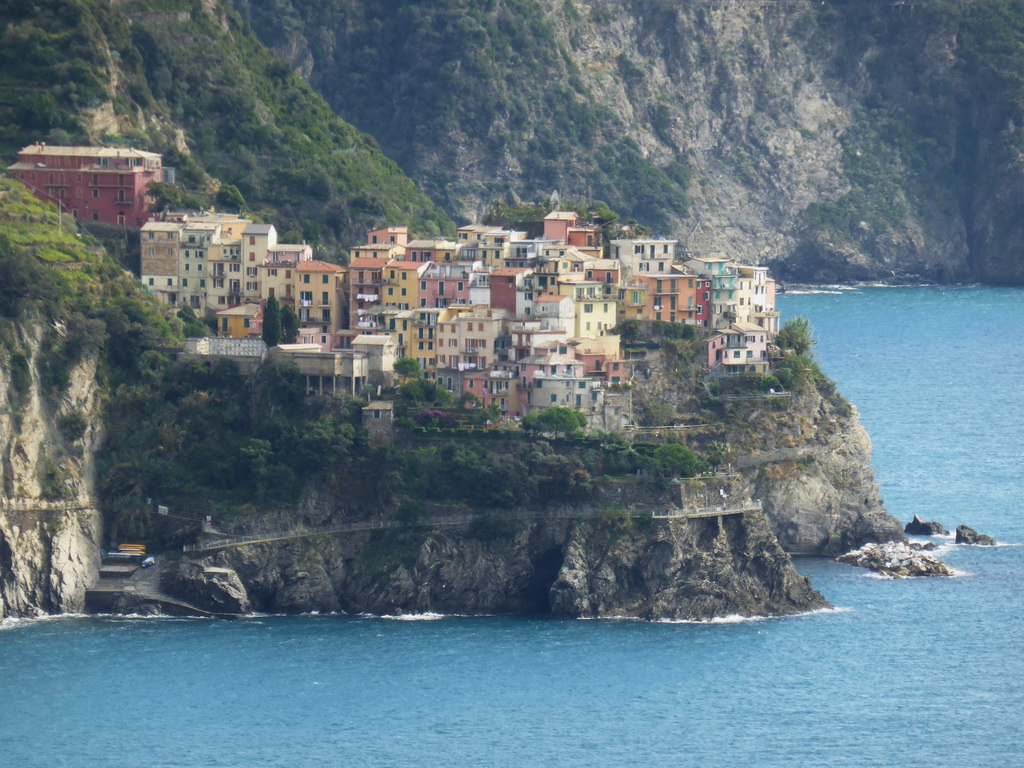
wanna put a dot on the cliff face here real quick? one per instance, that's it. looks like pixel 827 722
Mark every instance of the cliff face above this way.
pixel 49 531
pixel 833 141
pixel 813 474
pixel 696 569
pixel 807 459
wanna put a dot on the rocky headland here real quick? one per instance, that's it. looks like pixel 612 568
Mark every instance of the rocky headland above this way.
pixel 575 567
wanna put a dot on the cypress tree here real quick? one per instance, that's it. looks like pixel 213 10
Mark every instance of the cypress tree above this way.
pixel 289 325
pixel 272 322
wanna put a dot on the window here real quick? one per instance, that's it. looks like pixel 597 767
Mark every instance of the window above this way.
pixel 184 282
pixel 95 193
pixel 305 279
pixel 554 398
pixel 588 307
pixel 249 271
pixel 151 281
pixel 324 279
pixel 188 267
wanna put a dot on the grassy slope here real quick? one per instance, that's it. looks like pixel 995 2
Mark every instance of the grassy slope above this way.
pixel 245 118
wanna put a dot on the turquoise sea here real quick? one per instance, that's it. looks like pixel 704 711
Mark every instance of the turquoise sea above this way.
pixel 904 673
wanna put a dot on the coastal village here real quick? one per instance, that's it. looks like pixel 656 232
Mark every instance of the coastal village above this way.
pixel 517 322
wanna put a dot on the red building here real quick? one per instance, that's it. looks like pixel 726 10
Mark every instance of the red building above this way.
pixel 105 184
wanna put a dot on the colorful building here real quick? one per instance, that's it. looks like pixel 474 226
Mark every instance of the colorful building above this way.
pixel 104 184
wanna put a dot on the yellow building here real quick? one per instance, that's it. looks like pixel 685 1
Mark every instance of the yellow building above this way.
pixel 401 326
pixel 401 284
pixel 424 338
pixel 632 301
pixel 595 316
pixel 319 291
pixel 239 322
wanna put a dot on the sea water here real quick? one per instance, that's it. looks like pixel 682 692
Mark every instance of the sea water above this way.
pixel 926 672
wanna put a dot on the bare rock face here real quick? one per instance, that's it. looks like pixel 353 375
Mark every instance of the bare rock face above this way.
pixel 897 560
pixel 812 471
pixel 49 531
pixel 650 569
pixel 682 570
pixel 218 590
pixel 919 527
pixel 966 535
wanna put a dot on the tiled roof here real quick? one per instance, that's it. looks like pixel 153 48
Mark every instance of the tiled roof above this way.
pixel 313 265
pixel 366 262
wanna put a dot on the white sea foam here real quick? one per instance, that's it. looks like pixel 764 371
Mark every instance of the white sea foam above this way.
pixel 736 618
pixel 810 291
pixel 414 616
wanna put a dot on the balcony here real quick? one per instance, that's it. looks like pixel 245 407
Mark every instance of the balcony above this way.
pixel 305 302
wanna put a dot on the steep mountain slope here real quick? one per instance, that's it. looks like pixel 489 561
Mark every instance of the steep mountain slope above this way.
pixel 190 80
pixel 73 325
pixel 834 140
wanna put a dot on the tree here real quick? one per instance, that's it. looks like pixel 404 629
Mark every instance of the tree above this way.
pixel 797 336
pixel 289 325
pixel 558 420
pixel 191 325
pixel 408 368
pixel 229 196
pixel 272 322
pixel 677 460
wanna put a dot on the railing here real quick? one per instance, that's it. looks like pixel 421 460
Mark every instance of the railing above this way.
pixel 371 525
pixel 721 510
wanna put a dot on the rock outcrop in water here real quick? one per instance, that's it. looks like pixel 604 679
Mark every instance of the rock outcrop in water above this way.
pixel 966 535
pixel 897 560
pixel 919 527
pixel 651 569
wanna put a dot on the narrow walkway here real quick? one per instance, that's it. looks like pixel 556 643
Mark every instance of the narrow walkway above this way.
pixel 144 587
pixel 433 522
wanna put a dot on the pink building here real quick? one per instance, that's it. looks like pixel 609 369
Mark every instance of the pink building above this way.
pixel 388 236
pixel 103 184
pixel 444 284
pixel 740 348
pixel 494 386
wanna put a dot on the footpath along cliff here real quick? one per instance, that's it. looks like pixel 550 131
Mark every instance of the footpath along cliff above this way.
pixel 572 561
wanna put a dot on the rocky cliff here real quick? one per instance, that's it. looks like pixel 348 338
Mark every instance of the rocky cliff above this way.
pixel 651 569
pixel 806 457
pixel 50 530
pixel 812 471
pixel 835 141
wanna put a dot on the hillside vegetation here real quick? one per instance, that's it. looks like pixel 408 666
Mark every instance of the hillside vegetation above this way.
pixel 476 100
pixel 837 140
pixel 191 81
